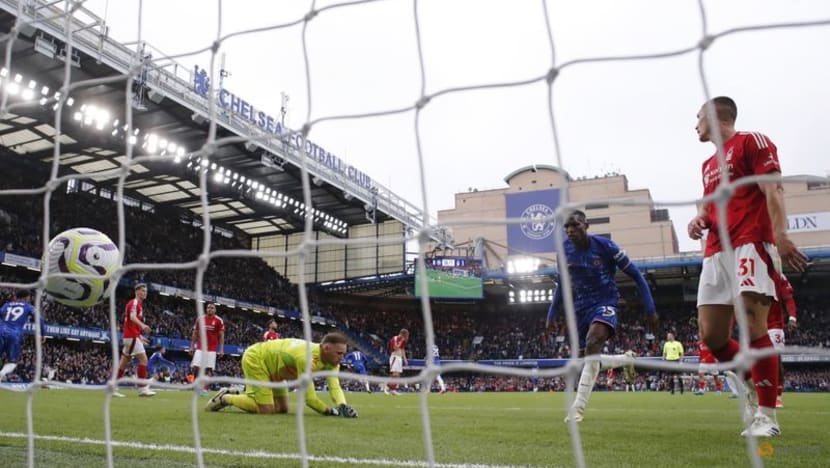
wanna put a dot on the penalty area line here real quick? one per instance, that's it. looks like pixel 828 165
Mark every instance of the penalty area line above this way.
pixel 253 454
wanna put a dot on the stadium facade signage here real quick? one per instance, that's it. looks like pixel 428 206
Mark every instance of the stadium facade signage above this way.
pixel 19 260
pixel 67 331
pixel 535 233
pixel 270 124
pixel 808 222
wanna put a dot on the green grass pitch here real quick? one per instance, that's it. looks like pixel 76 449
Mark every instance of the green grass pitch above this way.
pixel 472 429
pixel 444 285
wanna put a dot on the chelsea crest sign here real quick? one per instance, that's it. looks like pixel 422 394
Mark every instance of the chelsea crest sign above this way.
pixel 537 227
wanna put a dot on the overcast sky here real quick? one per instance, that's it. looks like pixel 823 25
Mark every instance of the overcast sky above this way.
pixel 636 118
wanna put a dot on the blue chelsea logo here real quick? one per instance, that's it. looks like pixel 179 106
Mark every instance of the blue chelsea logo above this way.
pixel 537 227
pixel 201 81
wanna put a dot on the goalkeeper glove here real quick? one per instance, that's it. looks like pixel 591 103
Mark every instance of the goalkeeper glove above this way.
pixel 347 411
pixel 331 412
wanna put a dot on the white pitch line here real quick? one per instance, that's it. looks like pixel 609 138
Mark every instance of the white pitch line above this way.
pixel 257 453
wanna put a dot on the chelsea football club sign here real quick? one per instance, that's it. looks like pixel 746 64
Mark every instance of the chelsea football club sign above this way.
pixel 535 233
pixel 269 124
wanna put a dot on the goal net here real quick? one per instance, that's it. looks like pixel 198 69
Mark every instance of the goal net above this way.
pixel 471 86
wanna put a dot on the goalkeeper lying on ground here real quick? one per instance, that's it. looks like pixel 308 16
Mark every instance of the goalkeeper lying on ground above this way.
pixel 279 360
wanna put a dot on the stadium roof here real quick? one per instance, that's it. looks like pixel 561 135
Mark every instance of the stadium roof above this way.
pixel 255 187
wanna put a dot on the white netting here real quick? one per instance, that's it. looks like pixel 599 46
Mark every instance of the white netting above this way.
pixel 35 13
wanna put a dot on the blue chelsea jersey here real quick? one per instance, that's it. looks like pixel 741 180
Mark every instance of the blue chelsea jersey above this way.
pixel 593 271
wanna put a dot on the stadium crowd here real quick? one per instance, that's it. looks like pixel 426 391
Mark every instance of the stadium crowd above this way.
pixel 148 241
pixel 87 363
pixel 462 333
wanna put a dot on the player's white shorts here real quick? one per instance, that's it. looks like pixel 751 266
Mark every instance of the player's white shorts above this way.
pixel 709 368
pixel 133 347
pixel 395 364
pixel 197 359
pixel 776 335
pixel 752 272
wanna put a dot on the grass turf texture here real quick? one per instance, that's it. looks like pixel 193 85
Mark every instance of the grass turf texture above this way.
pixel 490 429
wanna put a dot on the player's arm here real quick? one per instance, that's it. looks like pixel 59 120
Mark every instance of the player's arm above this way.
pixel 630 269
pixel 133 313
pixel 42 327
pixel 194 338
pixel 221 348
pixel 763 158
pixel 774 193
pixel 789 306
pixel 339 399
pixel 699 223
pixel 554 307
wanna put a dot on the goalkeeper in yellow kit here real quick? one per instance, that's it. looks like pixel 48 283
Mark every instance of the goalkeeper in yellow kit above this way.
pixel 282 360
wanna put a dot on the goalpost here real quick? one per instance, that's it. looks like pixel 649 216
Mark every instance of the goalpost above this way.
pixel 35 14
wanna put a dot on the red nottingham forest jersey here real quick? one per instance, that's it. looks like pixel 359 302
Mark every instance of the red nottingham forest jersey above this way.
pixel 213 326
pixel 131 330
pixel 748 221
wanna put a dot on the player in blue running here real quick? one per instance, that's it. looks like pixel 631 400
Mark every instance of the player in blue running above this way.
pixel 13 317
pixel 592 263
pixel 435 355
pixel 356 362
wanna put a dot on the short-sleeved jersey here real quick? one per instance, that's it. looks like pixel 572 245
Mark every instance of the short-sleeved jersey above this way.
pixel 672 350
pixel 747 154
pixel 214 326
pixel 270 335
pixel 396 345
pixel 132 330
pixel 14 316
pixel 355 359
pixel 777 316
pixel 592 272
pixel 705 354
pixel 285 359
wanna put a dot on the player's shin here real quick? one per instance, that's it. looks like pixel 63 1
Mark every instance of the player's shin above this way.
pixel 243 402
pixel 765 374
pixel 586 383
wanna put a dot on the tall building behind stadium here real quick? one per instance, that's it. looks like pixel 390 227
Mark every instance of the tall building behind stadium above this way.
pixel 613 209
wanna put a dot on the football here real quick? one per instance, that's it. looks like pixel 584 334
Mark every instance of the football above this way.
pixel 82 251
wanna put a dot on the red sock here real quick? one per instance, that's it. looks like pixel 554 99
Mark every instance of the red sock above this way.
pixel 120 372
pixel 700 383
pixel 780 389
pixel 728 351
pixel 765 374
pixel 142 370
pixel 718 384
